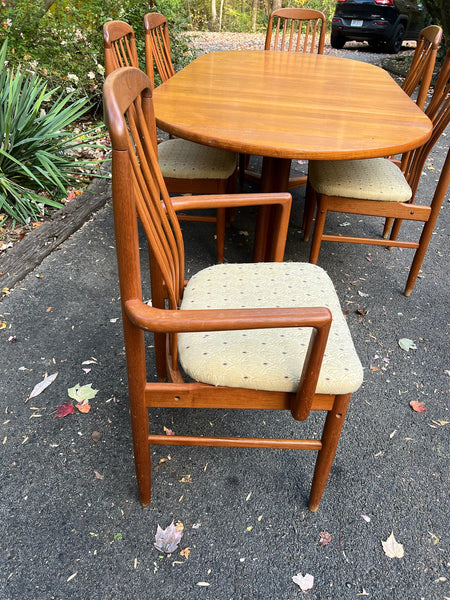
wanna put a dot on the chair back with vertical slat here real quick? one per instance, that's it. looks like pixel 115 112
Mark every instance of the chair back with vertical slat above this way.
pixel 438 110
pixel 140 188
pixel 120 46
pixel 157 47
pixel 422 65
pixel 296 30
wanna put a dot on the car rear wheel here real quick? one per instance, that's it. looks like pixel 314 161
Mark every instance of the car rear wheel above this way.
pixel 337 41
pixel 394 45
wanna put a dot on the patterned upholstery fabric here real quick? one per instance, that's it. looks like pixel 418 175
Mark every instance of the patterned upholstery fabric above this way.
pixel 182 159
pixel 266 359
pixel 369 179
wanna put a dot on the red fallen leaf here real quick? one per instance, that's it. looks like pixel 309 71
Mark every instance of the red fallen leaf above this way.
pixel 169 431
pixel 83 408
pixel 64 409
pixel 418 406
pixel 325 538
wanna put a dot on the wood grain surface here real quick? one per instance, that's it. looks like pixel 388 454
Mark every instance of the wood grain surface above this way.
pixel 290 105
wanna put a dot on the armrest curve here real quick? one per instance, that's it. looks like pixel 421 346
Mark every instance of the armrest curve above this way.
pixel 159 320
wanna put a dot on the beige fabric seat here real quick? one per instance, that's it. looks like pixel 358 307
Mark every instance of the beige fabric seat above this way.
pixel 370 179
pixel 266 359
pixel 186 160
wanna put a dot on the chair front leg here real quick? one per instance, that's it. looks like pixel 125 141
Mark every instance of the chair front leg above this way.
pixel 330 438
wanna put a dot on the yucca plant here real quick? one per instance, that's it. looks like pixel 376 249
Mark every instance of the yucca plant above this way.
pixel 37 150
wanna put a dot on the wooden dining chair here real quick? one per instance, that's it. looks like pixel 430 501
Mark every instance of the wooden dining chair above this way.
pixel 157 47
pixel 255 335
pixel 289 30
pixel 379 187
pixel 419 77
pixel 187 167
pixel 296 30
pixel 422 64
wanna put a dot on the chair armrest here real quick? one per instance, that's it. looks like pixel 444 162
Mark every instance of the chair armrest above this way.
pixel 278 206
pixel 230 201
pixel 159 320
pixel 318 318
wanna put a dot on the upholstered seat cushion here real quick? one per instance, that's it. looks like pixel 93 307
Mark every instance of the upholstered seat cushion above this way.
pixel 182 159
pixel 266 359
pixel 368 179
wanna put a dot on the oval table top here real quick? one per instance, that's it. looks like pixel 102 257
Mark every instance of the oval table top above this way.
pixel 290 105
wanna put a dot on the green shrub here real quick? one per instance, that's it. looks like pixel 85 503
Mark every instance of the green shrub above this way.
pixel 38 152
pixel 64 45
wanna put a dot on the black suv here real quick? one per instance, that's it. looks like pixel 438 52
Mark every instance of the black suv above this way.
pixel 382 23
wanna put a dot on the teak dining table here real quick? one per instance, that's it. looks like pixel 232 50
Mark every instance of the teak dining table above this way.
pixel 288 105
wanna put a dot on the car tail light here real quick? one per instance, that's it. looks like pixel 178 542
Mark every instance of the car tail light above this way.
pixel 385 2
pixel 342 0
pixel 382 23
pixel 335 19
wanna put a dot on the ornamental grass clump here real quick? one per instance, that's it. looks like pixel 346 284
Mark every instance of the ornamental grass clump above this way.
pixel 38 152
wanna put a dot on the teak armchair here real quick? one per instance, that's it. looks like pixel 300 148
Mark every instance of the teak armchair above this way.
pixel 290 30
pixel 379 187
pixel 187 167
pixel 262 336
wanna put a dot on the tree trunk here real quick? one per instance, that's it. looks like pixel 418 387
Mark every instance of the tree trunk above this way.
pixel 254 14
pixel 213 15
pixel 221 14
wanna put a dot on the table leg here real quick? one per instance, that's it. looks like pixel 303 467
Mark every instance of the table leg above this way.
pixel 275 178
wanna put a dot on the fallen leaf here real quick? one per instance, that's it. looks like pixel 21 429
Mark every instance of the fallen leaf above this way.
pixel 97 474
pixel 186 552
pixel 82 393
pixel 41 386
pixel 435 538
pixel 83 408
pixel 186 479
pixel 406 344
pixel 96 436
pixel 366 518
pixel 64 409
pixel 168 431
pixel 392 548
pixel 418 406
pixel 325 538
pixel 305 583
pixel 167 539
pixel 179 526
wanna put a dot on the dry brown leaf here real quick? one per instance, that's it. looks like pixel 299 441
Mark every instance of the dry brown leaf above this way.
pixel 186 552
